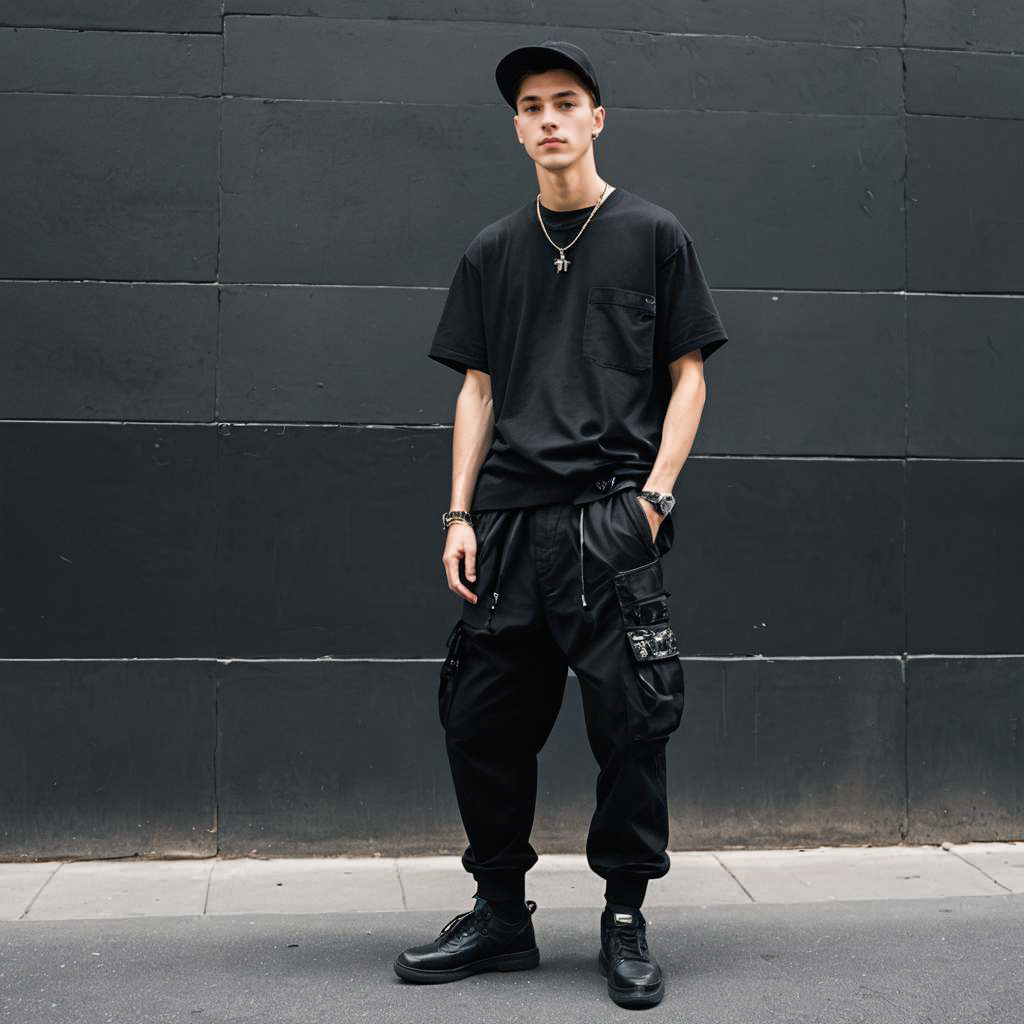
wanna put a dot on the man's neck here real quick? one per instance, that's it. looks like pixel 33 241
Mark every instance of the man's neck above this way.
pixel 560 195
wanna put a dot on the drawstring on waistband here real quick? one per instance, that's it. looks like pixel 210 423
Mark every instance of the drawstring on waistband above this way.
pixel 518 516
pixel 583 589
pixel 506 547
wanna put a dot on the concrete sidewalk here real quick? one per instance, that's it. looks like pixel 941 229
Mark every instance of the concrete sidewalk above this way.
pixel 80 890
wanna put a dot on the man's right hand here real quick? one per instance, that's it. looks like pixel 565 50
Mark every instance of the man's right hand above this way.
pixel 460 544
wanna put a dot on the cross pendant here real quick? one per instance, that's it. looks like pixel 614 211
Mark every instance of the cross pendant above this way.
pixel 562 263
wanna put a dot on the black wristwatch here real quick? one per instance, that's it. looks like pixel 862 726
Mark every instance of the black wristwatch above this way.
pixel 664 503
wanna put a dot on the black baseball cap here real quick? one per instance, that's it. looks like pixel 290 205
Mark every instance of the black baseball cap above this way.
pixel 552 53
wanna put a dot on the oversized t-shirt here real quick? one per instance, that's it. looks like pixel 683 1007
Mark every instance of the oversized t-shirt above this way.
pixel 577 358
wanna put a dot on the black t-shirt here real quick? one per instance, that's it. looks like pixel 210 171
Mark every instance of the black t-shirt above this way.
pixel 577 358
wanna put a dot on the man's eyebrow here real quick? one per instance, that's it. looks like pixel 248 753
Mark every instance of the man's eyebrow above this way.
pixel 564 92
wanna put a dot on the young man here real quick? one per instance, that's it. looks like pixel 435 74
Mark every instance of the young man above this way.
pixel 581 322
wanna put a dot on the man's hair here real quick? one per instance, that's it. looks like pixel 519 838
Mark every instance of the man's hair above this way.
pixel 539 71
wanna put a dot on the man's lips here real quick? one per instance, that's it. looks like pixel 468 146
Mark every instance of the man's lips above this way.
pixel 553 142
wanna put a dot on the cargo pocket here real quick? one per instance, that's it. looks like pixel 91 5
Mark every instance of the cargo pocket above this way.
pixel 619 328
pixel 449 672
pixel 655 689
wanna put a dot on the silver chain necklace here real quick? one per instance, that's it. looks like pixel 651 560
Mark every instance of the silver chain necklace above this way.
pixel 561 262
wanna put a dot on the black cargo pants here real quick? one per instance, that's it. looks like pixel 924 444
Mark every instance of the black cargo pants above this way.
pixel 562 585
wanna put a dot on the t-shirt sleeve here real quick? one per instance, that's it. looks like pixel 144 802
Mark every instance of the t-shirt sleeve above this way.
pixel 459 340
pixel 686 317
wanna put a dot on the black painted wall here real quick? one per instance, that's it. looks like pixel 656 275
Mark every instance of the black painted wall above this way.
pixel 225 237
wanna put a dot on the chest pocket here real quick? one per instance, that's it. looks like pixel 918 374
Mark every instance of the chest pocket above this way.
pixel 619 328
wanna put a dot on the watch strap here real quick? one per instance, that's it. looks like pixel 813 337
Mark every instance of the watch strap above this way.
pixel 456 515
pixel 656 498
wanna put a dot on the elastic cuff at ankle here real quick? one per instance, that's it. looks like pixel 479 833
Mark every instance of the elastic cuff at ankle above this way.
pixel 629 890
pixel 501 885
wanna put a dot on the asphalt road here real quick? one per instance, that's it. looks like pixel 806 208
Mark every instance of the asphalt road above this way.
pixel 955 960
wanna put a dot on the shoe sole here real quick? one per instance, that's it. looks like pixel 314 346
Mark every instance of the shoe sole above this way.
pixel 524 961
pixel 630 996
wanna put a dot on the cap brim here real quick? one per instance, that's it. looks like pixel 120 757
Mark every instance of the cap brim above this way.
pixel 526 58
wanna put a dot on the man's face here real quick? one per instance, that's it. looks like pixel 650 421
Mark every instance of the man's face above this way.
pixel 554 105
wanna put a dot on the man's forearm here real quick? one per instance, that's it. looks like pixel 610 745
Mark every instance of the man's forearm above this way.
pixel 679 429
pixel 471 440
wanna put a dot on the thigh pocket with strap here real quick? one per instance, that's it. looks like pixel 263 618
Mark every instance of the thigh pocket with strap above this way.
pixel 449 672
pixel 655 688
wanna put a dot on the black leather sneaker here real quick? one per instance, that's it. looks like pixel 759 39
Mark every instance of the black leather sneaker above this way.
pixel 634 976
pixel 470 943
